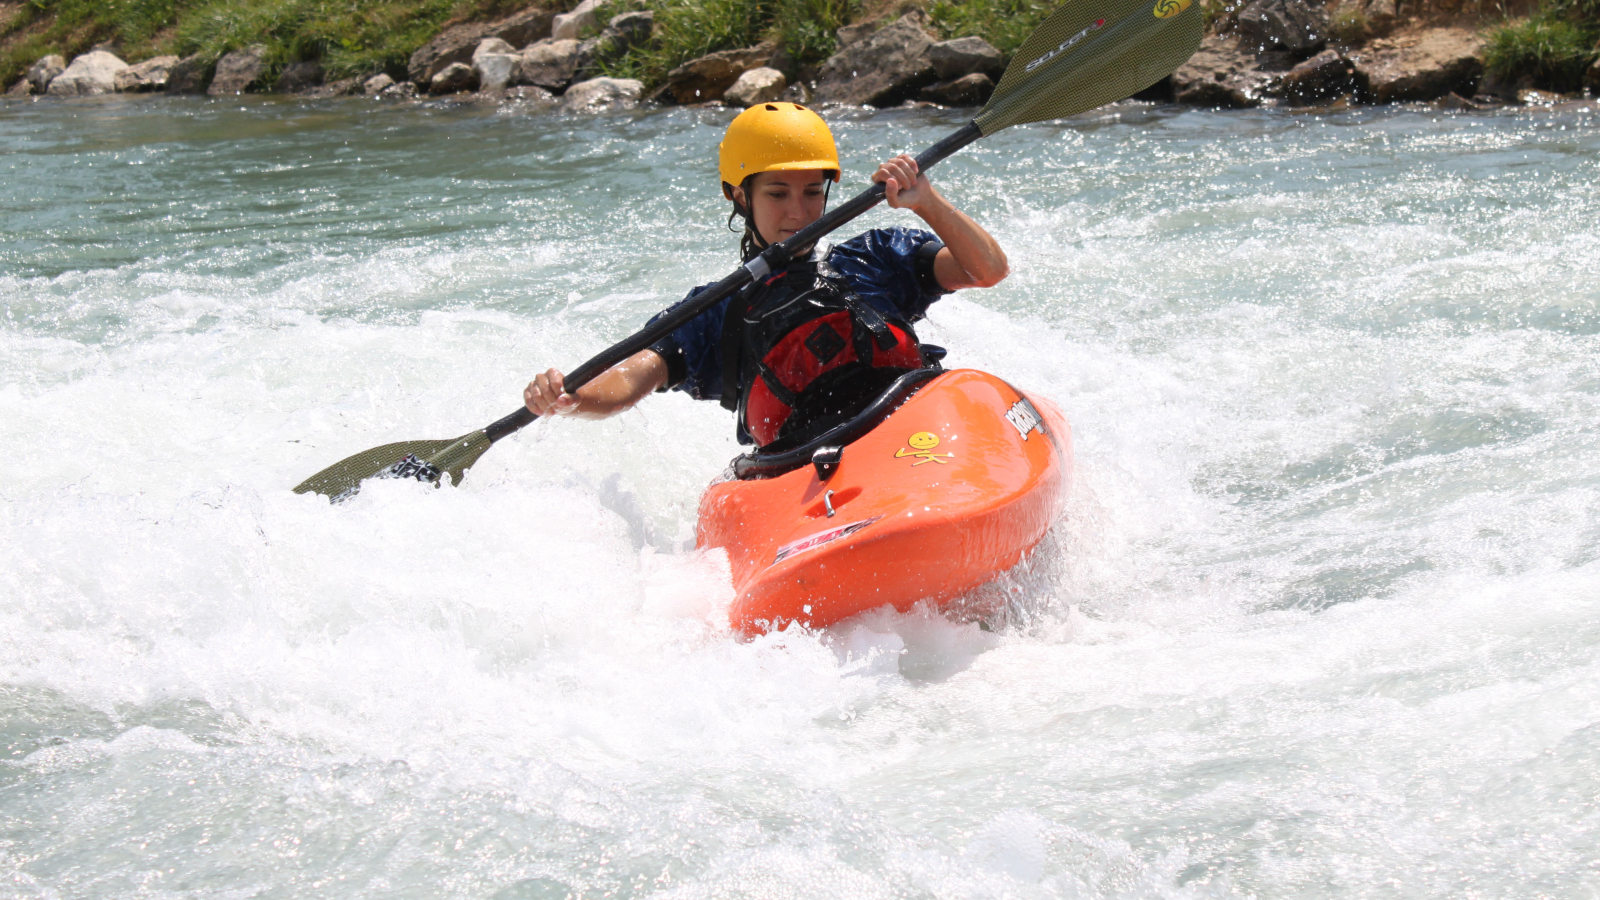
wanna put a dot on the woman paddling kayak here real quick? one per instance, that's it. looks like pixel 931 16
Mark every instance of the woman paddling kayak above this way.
pixel 816 341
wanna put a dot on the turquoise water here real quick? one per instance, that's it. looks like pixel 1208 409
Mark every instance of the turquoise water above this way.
pixel 1321 620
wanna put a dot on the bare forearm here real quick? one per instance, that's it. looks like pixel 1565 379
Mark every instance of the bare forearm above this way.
pixel 614 390
pixel 972 257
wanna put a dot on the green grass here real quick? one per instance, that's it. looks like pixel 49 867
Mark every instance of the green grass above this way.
pixel 352 37
pixel 806 28
pixel 1552 48
pixel 1003 23
pixel 688 29
pixel 1348 24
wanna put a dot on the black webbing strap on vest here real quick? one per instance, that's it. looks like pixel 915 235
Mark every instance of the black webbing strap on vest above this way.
pixel 733 344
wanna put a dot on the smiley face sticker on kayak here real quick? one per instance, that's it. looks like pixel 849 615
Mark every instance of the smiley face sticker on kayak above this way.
pixel 922 444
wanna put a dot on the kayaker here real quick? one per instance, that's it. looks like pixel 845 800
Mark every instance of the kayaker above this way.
pixel 820 339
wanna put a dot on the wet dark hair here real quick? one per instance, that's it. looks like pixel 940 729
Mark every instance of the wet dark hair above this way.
pixel 751 242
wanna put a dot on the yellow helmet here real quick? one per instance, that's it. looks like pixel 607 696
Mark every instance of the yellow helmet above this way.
pixel 776 137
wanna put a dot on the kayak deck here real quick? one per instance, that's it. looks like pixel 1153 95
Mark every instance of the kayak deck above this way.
pixel 950 490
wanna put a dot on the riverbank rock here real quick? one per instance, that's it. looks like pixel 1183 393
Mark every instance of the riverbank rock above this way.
pixel 968 90
pixel 964 56
pixel 759 85
pixel 150 75
pixel 238 71
pixel 1220 75
pixel 1321 79
pixel 882 70
pixel 400 90
pixel 627 31
pixel 93 73
pixel 602 93
pixel 710 76
pixel 858 31
pixel 190 75
pixel 41 73
pixel 549 64
pixel 1591 77
pixel 457 43
pixel 300 76
pixel 344 87
pixel 1423 66
pixel 574 25
pixel 495 70
pixel 376 85
pixel 453 79
pixel 1534 97
pixel 528 98
pixel 1285 26
pixel 1458 103
pixel 495 63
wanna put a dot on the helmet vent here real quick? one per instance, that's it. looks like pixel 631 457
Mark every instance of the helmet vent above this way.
pixel 798 106
pixel 772 108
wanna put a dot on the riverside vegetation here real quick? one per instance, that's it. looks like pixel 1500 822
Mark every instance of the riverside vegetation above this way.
pixel 1298 52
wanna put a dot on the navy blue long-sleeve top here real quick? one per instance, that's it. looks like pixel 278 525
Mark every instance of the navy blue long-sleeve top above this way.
pixel 890 269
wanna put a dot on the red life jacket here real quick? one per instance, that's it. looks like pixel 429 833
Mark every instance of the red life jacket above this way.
pixel 798 341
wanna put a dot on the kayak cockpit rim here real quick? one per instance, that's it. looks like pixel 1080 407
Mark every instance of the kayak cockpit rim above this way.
pixel 756 464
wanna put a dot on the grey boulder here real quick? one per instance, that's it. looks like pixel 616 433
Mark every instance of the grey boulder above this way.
pixel 881 70
pixel 150 75
pixel 491 45
pixel 1287 26
pixel 964 56
pixel 300 76
pixel 602 93
pixel 402 90
pixel 41 73
pixel 453 79
pixel 344 87
pixel 1219 75
pixel 709 76
pixel 968 90
pixel 238 71
pixel 1321 79
pixel 1423 66
pixel 93 73
pixel 190 75
pixel 760 85
pixel 376 85
pixel 550 64
pixel 495 70
pixel 574 25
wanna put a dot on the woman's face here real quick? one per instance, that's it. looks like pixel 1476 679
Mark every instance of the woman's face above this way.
pixel 785 202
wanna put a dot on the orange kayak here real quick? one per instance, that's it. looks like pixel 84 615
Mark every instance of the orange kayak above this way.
pixel 938 487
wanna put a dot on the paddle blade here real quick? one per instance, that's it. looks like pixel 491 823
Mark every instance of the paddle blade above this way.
pixel 422 460
pixel 1090 53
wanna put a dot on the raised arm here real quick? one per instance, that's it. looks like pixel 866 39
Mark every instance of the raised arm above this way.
pixel 971 256
pixel 614 390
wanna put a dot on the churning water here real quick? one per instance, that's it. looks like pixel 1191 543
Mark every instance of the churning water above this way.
pixel 1323 620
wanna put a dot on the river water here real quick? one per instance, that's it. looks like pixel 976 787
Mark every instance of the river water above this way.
pixel 1323 619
